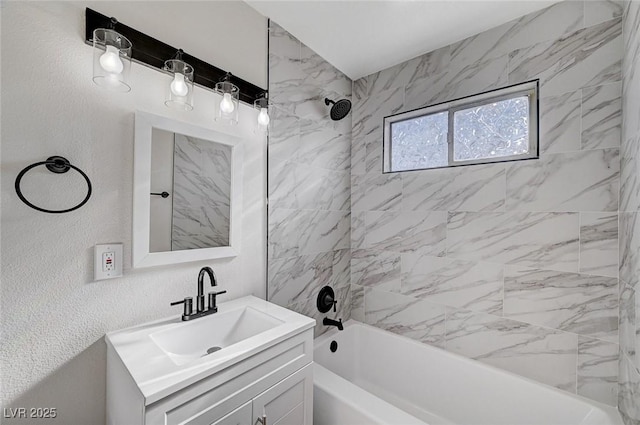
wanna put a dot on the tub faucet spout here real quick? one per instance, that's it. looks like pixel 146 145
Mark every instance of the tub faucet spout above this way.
pixel 330 322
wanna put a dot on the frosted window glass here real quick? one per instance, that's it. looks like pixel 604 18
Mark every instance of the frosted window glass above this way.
pixel 492 130
pixel 420 142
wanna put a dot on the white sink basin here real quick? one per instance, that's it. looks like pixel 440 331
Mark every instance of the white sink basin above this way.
pixel 167 355
pixel 212 334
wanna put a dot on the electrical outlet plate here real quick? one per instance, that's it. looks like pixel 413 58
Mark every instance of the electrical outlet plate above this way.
pixel 107 261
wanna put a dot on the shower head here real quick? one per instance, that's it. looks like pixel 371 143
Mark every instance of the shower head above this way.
pixel 340 109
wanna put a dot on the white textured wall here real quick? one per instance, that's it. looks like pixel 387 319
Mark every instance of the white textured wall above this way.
pixel 54 315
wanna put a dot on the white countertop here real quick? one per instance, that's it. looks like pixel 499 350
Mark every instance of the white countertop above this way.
pixel 157 376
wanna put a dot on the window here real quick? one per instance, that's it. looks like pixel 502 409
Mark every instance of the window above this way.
pixel 496 126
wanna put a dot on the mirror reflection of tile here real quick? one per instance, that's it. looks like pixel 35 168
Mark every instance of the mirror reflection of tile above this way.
pixel 201 194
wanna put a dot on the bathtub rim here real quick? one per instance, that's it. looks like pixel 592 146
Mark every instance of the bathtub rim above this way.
pixel 596 405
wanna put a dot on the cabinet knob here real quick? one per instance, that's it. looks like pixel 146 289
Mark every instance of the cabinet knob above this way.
pixel 263 420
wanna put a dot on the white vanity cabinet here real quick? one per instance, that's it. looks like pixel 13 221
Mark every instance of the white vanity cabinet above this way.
pixel 286 403
pixel 268 375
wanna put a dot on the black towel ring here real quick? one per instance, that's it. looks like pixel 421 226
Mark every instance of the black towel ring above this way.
pixel 58 165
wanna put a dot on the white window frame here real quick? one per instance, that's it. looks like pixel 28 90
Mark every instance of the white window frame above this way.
pixel 528 89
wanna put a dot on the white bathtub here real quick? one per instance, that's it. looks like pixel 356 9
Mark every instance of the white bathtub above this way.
pixel 376 377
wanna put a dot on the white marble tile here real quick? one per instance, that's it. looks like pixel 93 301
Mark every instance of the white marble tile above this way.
pixel 285 74
pixel 597 11
pixel 545 355
pixel 373 161
pixel 406 72
pixel 548 240
pixel 478 188
pixel 367 131
pixel 631 71
pixel 321 189
pixel 602 116
pixel 357 230
pixel 598 370
pixel 341 277
pixel 599 244
pixel 630 174
pixel 547 24
pixel 368 114
pixel 581 304
pixel 298 278
pixel 577 181
pixel 406 316
pixel 284 134
pixel 282 183
pixel 629 322
pixel 464 284
pixel 630 248
pixel 588 57
pixel 629 392
pixel 374 268
pixel 299 232
pixel 470 78
pixel 358 140
pixel 320 73
pixel 376 192
pixel 422 232
pixel 560 123
pixel 322 146
pixel 282 42
pixel 357 302
pixel 359 89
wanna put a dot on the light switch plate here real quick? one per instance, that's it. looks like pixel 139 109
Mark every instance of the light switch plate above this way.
pixel 107 261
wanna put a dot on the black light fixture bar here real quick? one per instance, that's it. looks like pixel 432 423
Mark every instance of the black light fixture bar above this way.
pixel 154 52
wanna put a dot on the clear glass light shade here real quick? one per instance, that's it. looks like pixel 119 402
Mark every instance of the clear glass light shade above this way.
pixel 262 106
pixel 111 60
pixel 227 107
pixel 180 85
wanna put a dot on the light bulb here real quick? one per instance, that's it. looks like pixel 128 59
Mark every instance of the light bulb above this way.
pixel 263 117
pixel 178 86
pixel 226 105
pixel 110 60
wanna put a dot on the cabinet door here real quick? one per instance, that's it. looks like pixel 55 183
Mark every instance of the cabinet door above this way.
pixel 240 416
pixel 289 402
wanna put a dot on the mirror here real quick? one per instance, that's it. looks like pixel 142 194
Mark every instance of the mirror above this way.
pixel 187 192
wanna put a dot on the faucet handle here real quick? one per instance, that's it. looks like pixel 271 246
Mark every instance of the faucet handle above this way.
pixel 212 299
pixel 188 306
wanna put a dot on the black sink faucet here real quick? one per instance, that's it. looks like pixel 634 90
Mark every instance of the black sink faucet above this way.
pixel 212 279
pixel 200 310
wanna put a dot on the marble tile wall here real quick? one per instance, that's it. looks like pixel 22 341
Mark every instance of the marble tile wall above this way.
pixel 309 180
pixel 201 194
pixel 513 264
pixel 629 251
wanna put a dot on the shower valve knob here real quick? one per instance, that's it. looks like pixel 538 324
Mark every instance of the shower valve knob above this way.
pixel 326 300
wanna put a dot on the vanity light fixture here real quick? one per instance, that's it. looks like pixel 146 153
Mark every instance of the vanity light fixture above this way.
pixel 111 58
pixel 180 90
pixel 116 45
pixel 262 105
pixel 227 108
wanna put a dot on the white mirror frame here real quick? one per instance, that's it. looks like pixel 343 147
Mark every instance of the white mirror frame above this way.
pixel 144 123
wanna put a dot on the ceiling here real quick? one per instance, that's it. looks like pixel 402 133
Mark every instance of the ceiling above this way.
pixel 363 37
